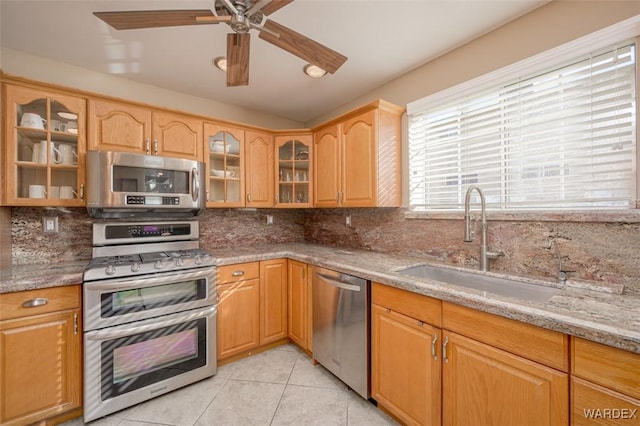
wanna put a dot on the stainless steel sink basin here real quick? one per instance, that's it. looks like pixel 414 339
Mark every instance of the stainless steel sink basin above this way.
pixel 489 284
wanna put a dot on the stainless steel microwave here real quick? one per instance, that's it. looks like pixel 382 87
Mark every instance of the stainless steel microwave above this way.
pixel 124 184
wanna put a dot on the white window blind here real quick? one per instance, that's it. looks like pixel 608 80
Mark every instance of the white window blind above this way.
pixel 562 139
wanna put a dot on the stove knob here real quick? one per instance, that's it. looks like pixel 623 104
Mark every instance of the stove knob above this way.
pixel 135 267
pixel 158 264
pixel 198 260
pixel 110 270
pixel 179 262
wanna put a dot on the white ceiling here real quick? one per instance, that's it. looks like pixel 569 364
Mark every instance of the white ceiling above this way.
pixel 382 39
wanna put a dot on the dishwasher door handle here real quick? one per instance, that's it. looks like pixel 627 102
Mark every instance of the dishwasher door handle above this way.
pixel 338 284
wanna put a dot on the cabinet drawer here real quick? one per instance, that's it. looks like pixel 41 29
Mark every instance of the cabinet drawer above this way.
pixel 238 272
pixel 611 367
pixel 592 404
pixel 12 305
pixel 537 344
pixel 413 305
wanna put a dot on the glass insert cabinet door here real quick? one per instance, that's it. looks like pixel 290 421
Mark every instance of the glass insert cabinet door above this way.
pixel 293 171
pixel 225 166
pixel 45 148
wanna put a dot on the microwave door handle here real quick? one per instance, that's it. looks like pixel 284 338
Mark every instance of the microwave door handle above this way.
pixel 195 184
pixel 129 331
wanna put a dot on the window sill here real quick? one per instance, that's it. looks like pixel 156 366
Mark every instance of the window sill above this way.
pixel 600 216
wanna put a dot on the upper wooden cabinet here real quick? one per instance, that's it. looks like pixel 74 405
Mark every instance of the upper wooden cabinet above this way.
pixel 259 174
pixel 44 149
pixel 357 158
pixel 117 126
pixel 293 160
pixel 224 148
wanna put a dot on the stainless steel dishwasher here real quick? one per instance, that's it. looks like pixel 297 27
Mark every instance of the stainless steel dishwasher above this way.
pixel 341 327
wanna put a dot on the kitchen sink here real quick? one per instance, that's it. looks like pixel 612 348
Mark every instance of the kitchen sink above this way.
pixel 490 284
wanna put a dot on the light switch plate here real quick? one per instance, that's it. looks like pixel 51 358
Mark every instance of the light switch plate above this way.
pixel 50 224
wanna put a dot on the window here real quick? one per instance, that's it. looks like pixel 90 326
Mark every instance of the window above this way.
pixel 560 139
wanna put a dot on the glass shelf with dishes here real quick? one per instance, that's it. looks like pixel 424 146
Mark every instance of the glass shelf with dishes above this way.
pixel 224 165
pixel 293 162
pixel 44 147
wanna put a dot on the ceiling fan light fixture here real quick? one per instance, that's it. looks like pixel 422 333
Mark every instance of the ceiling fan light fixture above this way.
pixel 221 63
pixel 314 71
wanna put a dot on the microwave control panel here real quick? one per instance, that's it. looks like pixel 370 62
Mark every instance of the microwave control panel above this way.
pixel 152 200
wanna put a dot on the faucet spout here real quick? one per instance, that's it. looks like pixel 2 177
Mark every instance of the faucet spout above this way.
pixel 485 254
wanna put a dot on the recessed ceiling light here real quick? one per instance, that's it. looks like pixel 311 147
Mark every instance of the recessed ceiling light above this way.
pixel 221 63
pixel 314 71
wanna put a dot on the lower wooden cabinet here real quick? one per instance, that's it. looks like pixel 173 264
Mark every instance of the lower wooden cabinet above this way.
pixel 605 384
pixel 483 385
pixel 300 318
pixel 252 306
pixel 405 366
pixel 40 354
pixel 273 300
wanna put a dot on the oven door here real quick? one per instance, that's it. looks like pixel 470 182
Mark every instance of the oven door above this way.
pixel 122 300
pixel 131 363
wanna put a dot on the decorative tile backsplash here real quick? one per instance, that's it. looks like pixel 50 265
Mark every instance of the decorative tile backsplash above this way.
pixel 596 251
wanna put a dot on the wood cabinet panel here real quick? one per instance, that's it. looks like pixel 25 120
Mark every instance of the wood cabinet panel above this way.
pixel 359 161
pixel 607 366
pixel 298 303
pixel 240 271
pixel 40 356
pixel 259 175
pixel 414 305
pixel 544 346
pixel 273 300
pixel 238 320
pixel 54 298
pixel 483 385
pixel 177 135
pixel 593 405
pixel 326 157
pixel 119 127
pixel 405 367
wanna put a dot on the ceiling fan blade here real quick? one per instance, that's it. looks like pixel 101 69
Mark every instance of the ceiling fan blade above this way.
pixel 130 20
pixel 273 6
pixel 238 59
pixel 302 46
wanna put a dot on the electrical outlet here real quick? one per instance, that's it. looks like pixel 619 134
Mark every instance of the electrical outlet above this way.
pixel 50 224
pixel 269 219
pixel 347 220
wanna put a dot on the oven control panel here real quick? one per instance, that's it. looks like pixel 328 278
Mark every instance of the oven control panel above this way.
pixel 143 230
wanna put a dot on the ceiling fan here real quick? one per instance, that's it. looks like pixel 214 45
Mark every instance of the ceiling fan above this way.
pixel 241 16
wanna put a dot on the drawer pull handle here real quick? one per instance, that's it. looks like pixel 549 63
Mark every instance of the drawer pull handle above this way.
pixel 237 273
pixel 38 301
pixel 444 349
pixel 434 350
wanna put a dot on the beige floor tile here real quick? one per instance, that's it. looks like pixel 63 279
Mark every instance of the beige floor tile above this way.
pixel 181 407
pixel 306 374
pixel 243 403
pixel 363 413
pixel 269 367
pixel 302 405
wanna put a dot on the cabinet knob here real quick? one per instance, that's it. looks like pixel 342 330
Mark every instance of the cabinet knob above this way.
pixel 155 147
pixel 147 146
pixel 38 301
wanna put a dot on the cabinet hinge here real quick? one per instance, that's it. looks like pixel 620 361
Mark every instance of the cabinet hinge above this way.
pixel 75 323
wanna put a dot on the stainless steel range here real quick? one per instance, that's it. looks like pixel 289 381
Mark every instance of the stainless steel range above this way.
pixel 149 313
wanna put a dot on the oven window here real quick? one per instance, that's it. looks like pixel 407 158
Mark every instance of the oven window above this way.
pixel 140 179
pixel 140 360
pixel 147 298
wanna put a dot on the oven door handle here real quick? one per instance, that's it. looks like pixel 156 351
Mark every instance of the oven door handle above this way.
pixel 148 282
pixel 132 329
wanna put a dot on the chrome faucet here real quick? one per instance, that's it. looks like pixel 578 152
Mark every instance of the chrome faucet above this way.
pixel 485 254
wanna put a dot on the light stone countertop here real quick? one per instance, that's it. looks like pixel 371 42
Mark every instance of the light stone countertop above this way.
pixel 606 317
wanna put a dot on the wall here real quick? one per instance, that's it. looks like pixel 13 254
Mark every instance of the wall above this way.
pixel 219 228
pixel 544 28
pixel 45 70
